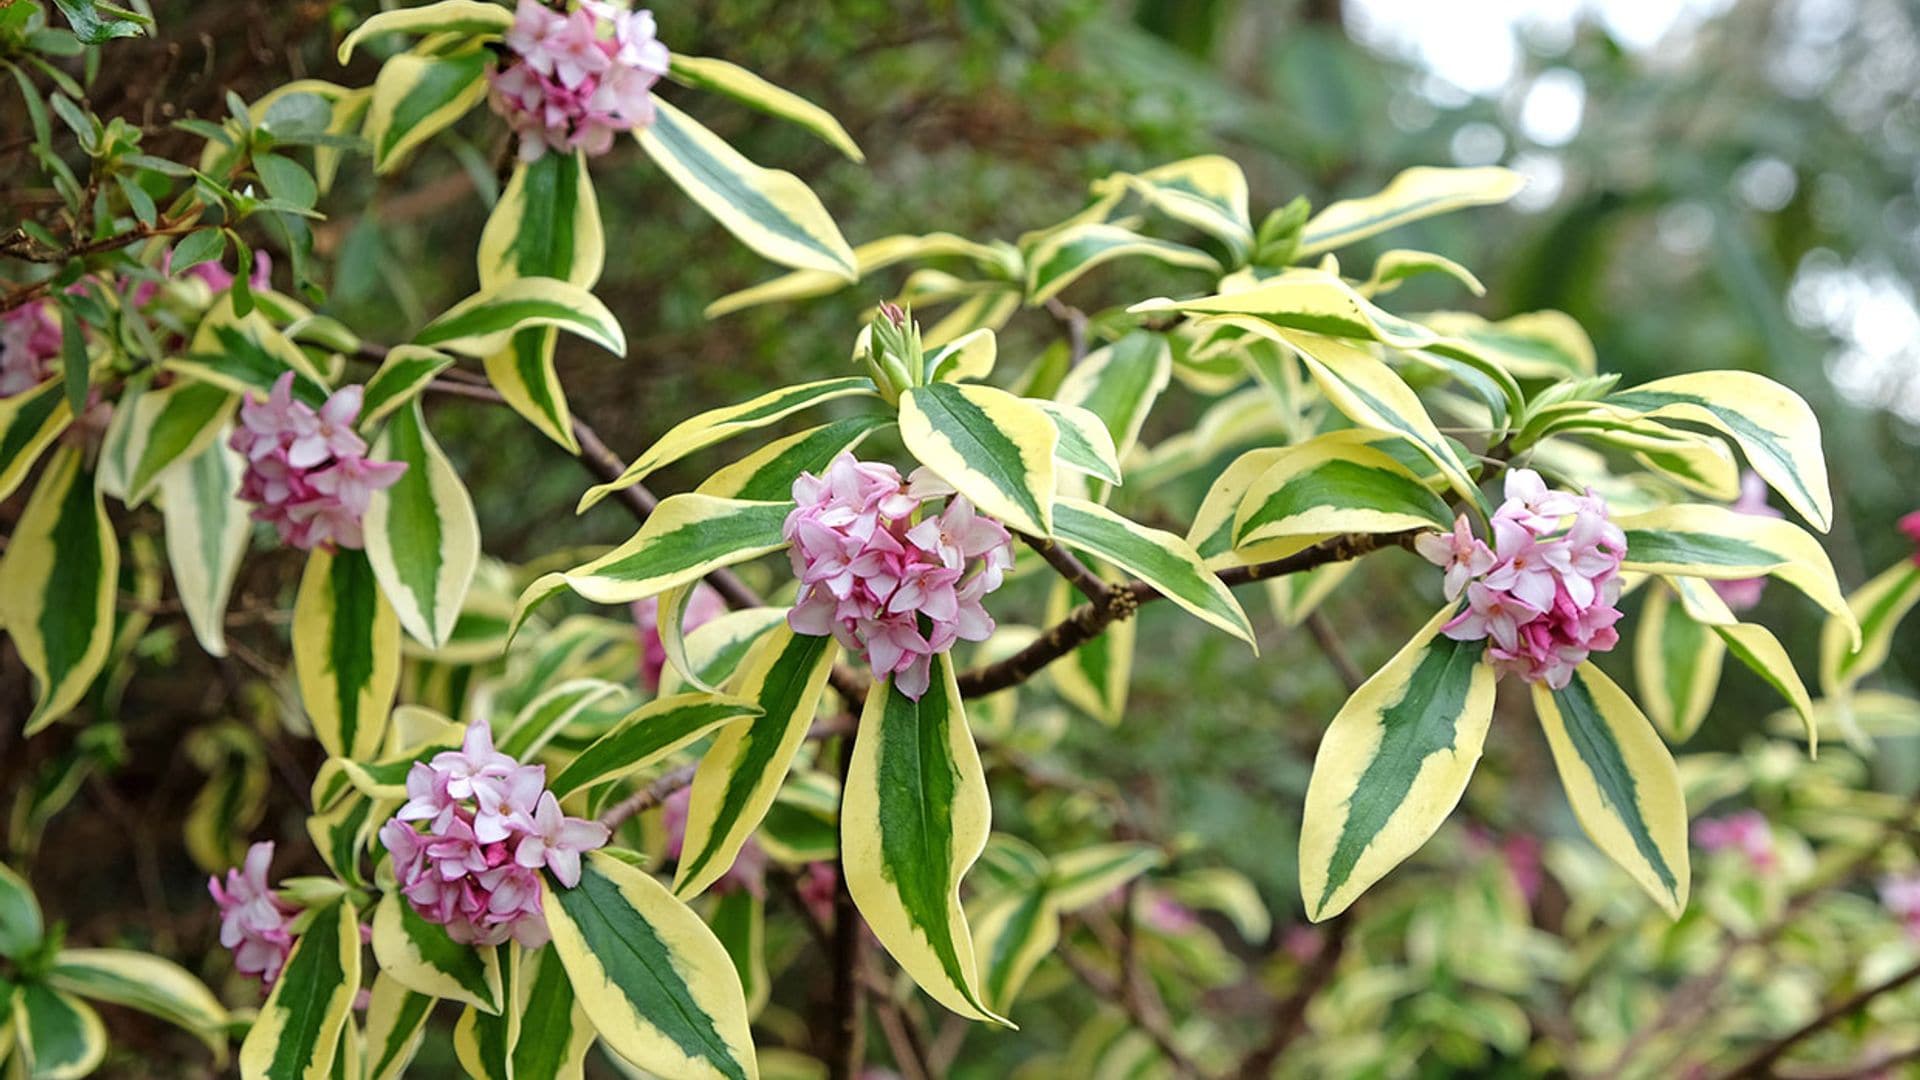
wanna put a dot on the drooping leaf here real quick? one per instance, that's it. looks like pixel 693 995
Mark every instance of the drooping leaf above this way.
pixel 741 772
pixel 403 375
pixel 151 984
pixel 1878 606
pixel 396 1024
pixel 29 422
pixel 475 17
pixel 1207 192
pixel 1718 543
pixel 60 1036
pixel 422 534
pixel 415 97
pixel 1012 934
pixel 420 956
pixel 297 1034
pixel 1161 559
pixel 207 527
pixel 1621 781
pixel 487 321
pixel 57 584
pixel 768 210
pixel 914 817
pixel 651 977
pixel 346 652
pixel 1678 662
pixel 1062 257
pixel 1392 765
pixel 736 82
pixel 554 1033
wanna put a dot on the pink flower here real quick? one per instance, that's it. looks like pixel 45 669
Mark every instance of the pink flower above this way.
pixel 254 923
pixel 1545 595
pixel 1459 553
pixel 899 591
pixel 29 340
pixel 491 825
pixel 1746 832
pixel 1910 524
pixel 704 606
pixel 307 470
pixel 572 81
pixel 1742 594
pixel 1900 895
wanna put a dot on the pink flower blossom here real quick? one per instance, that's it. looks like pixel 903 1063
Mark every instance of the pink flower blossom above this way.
pixel 1900 895
pixel 1746 832
pixel 307 470
pixel 29 341
pixel 1910 524
pixel 491 826
pixel 1742 594
pixel 254 922
pixel 573 80
pixel 1459 553
pixel 897 590
pixel 704 606
pixel 1545 595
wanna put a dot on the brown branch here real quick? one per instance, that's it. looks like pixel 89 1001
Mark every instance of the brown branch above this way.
pixel 1761 1063
pixel 1071 568
pixel 1336 653
pixel 1290 1013
pixel 648 797
pixel 1086 622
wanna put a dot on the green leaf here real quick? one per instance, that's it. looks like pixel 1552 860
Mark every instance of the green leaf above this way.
pixel 416 97
pixel 207 527
pixel 1085 444
pixel 1417 193
pixel 60 1036
pixel 297 1033
pixel 742 770
pixel 396 1023
pixel 21 925
pixel 1207 192
pixel 716 425
pixel 736 82
pixel 554 1031
pixel 29 423
pixel 1392 765
pixel 403 376
pixel 994 448
pixel 1091 874
pixel 1773 425
pixel 57 586
pixel 914 817
pixel 346 652
pixel 151 984
pixel 1097 674
pixel 95 23
pixel 1718 543
pixel 647 735
pixel 419 956
pixel 476 17
pixel 287 180
pixel 1878 606
pixel 171 425
pixel 483 1042
pixel 199 246
pixel 769 472
pixel 485 322
pixel 768 210
pixel 1621 781
pixel 1677 661
pixel 1062 257
pixel 1161 559
pixel 1336 483
pixel 651 977
pixel 247 353
pixel 1012 934
pixel 1535 345
pixel 422 535
pixel 74 364
pixel 739 920
pixel 686 537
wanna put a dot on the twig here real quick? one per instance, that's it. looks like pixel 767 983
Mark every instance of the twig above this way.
pixel 1071 568
pixel 1336 653
pixel 1085 622
pixel 848 1000
pixel 648 797
pixel 1761 1063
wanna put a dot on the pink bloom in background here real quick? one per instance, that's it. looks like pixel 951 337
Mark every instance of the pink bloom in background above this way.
pixel 216 277
pixel 749 869
pixel 1900 895
pixel 29 340
pixel 574 80
pixel 1545 592
pixel 703 607
pixel 1520 852
pixel 254 923
pixel 1910 525
pixel 817 884
pixel 307 470
pixel 491 828
pixel 1742 594
pixel 870 575
pixel 1746 832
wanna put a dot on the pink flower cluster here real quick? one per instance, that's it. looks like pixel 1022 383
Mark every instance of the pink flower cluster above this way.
pixel 1900 895
pixel 1910 524
pixel 29 340
pixel 872 576
pixel 491 825
pixel 307 470
pixel 703 607
pixel 218 279
pixel 1545 592
pixel 254 923
pixel 1742 594
pixel 1746 832
pixel 575 80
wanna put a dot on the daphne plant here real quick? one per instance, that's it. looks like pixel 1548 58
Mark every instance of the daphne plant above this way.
pixel 571 828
